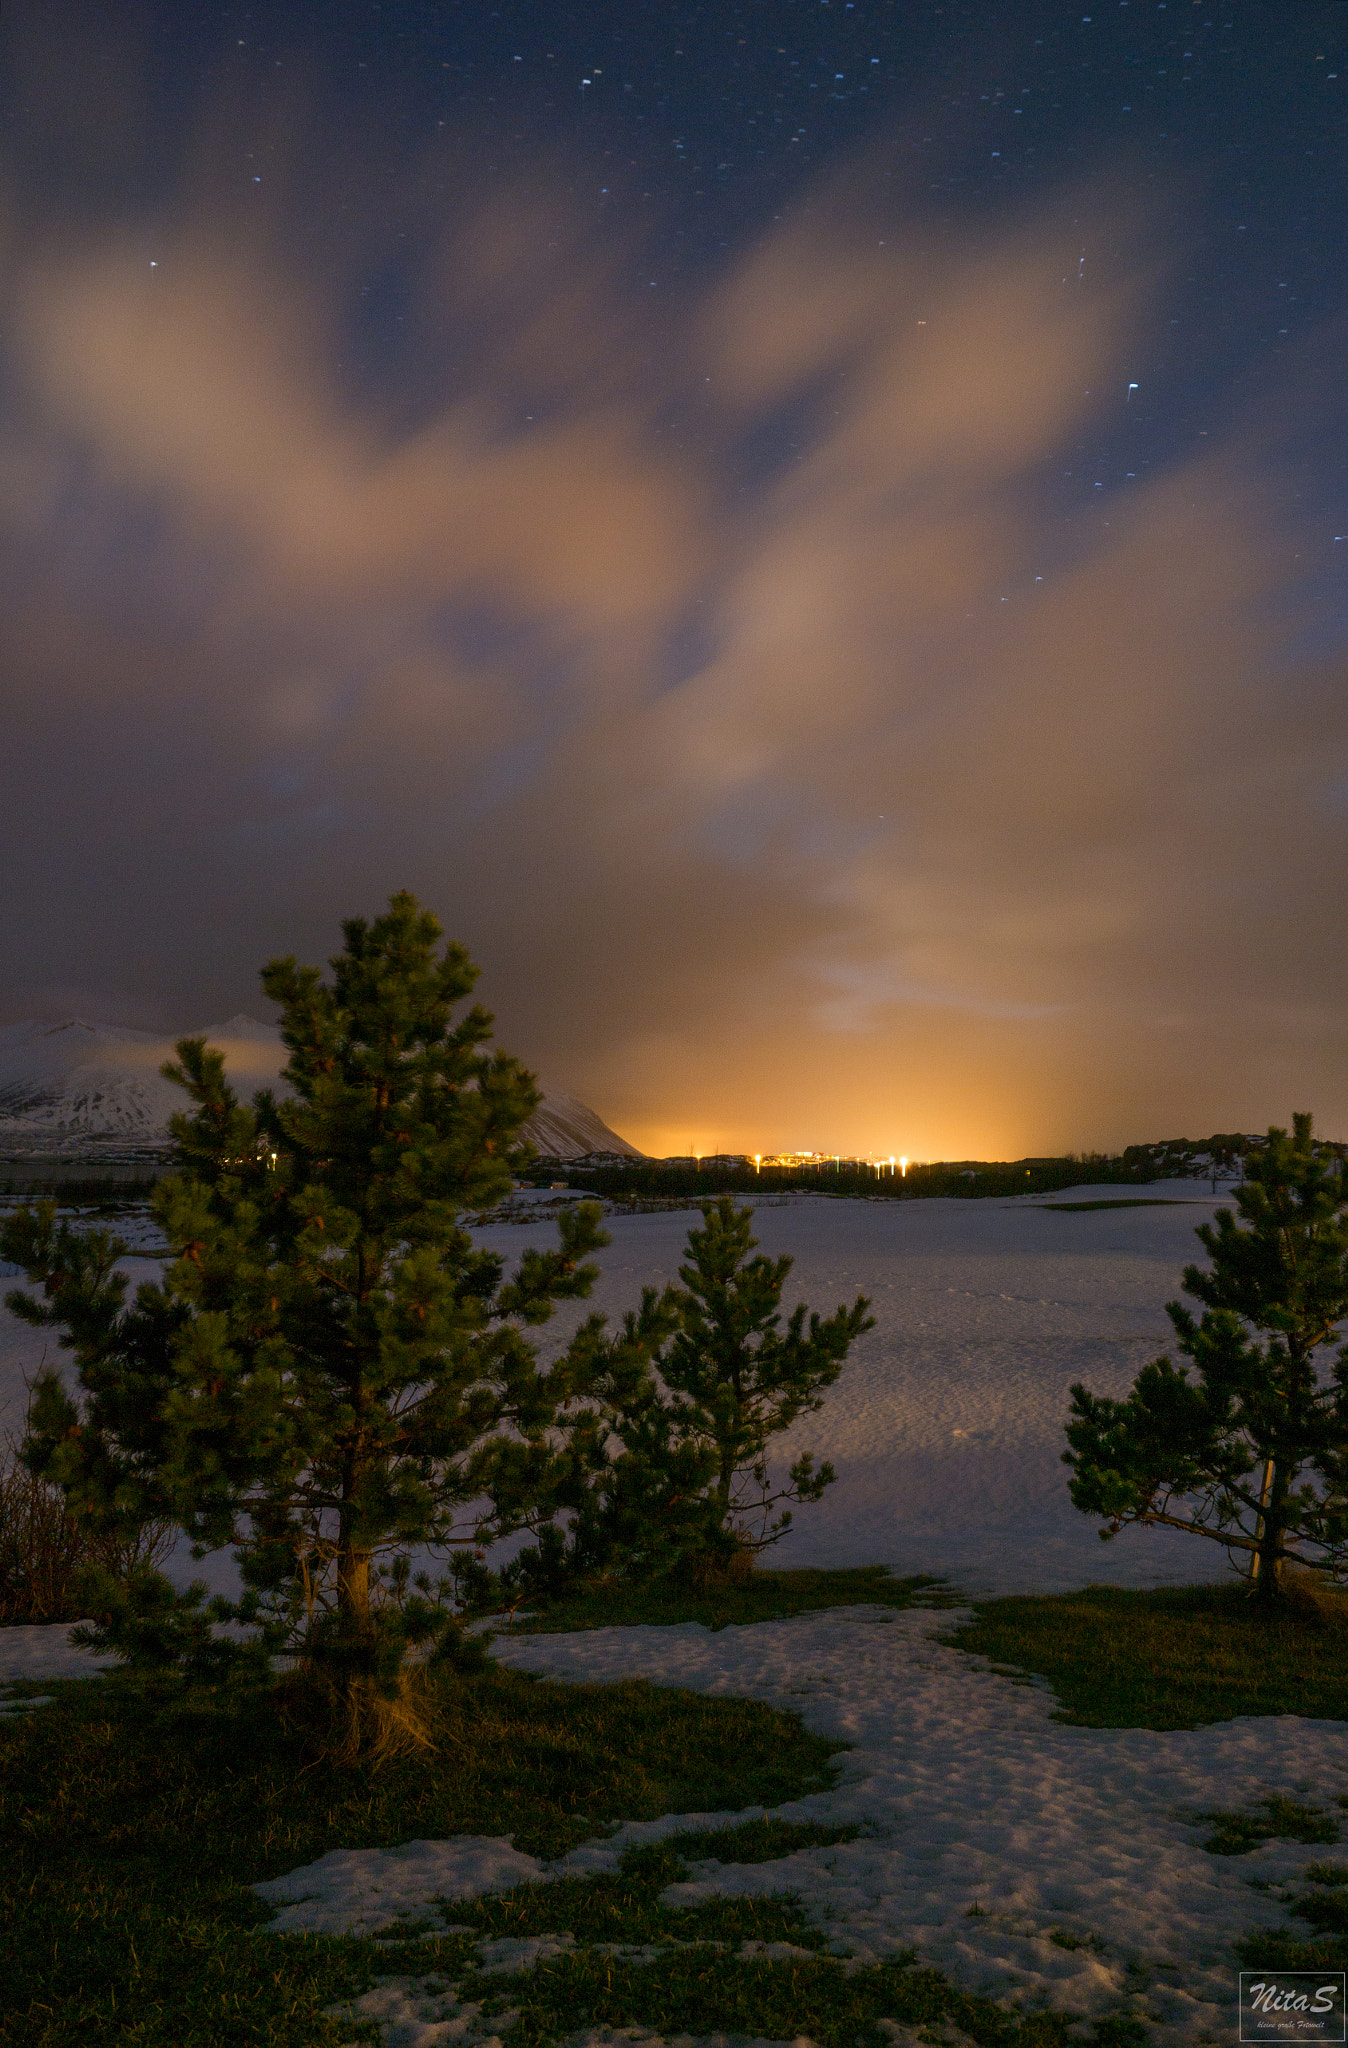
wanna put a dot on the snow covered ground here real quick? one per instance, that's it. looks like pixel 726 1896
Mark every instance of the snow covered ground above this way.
pixel 946 1431
pixel 1034 1863
pixel 971 1797
pixel 946 1425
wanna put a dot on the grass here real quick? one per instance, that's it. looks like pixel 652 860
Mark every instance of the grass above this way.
pixel 698 1984
pixel 133 1819
pixel 1278 1820
pixel 756 1841
pixel 703 1993
pixel 625 1908
pixel 1171 1658
pixel 762 1596
pixel 1325 1909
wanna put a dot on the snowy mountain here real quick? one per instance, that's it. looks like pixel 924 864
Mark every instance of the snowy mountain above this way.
pixel 78 1088
pixel 88 1090
pixel 562 1127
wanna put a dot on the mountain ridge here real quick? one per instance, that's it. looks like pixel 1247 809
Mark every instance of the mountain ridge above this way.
pixel 79 1088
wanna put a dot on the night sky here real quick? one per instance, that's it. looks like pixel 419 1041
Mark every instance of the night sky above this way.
pixel 814 536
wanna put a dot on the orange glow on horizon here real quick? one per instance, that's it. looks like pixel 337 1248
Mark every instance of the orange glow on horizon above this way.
pixel 990 1138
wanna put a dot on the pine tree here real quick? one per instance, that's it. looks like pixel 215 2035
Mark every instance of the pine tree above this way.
pixel 1252 1453
pixel 640 1484
pixel 330 1373
pixel 694 1425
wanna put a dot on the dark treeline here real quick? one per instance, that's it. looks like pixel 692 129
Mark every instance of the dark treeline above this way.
pixel 657 1179
pixel 1217 1159
pixel 653 1178
pixel 100 1191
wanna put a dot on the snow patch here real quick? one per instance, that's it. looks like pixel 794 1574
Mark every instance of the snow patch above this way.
pixel 1027 1860
pixel 359 1891
pixel 44 1650
pixel 425 2012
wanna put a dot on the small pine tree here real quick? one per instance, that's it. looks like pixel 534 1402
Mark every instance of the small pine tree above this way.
pixel 330 1372
pixel 693 1420
pixel 639 1484
pixel 1253 1452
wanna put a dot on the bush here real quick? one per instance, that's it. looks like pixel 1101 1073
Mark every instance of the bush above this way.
pixel 48 1550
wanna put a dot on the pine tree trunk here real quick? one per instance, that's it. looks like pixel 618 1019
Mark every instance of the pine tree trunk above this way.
pixel 353 1589
pixel 1268 1570
pixel 353 1561
pixel 724 1483
pixel 1271 1533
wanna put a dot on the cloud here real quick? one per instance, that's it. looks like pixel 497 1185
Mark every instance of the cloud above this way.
pixel 728 673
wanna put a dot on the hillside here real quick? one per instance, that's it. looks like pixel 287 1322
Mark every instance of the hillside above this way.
pixel 81 1090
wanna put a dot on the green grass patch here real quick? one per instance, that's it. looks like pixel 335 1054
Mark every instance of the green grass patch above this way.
pixel 1063 1937
pixel 1325 1909
pixel 133 1820
pixel 1278 1820
pixel 625 1907
pixel 1176 1657
pixel 1280 1949
pixel 704 1993
pixel 761 1596
pixel 758 1841
pixel 26 1688
pixel 699 1983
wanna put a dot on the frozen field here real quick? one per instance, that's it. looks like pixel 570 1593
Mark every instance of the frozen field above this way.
pixel 946 1425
